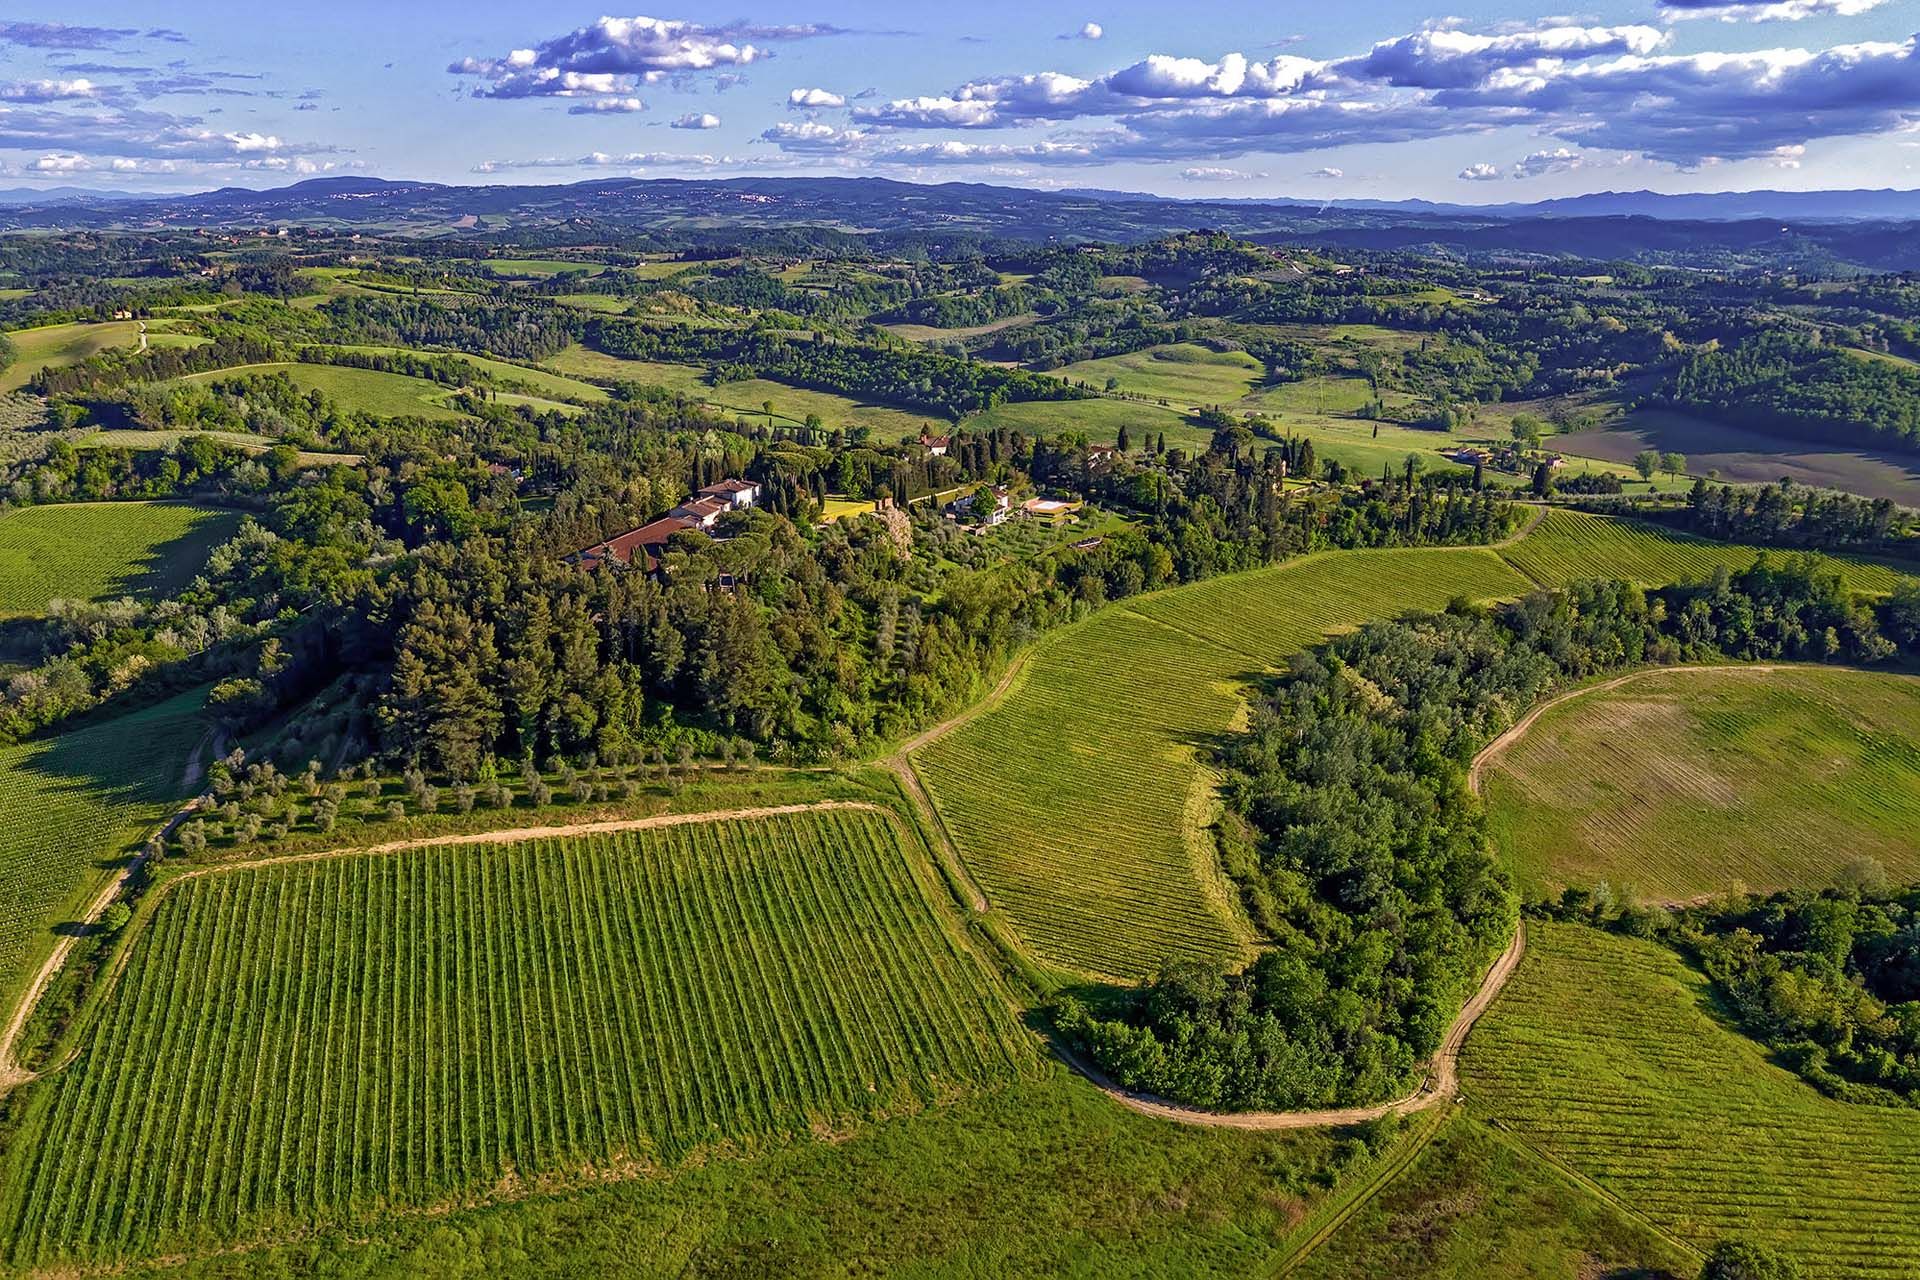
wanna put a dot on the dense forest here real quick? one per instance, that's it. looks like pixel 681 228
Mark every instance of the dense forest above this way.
pixel 1792 384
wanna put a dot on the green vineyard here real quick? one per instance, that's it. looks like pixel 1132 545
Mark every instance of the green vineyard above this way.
pixel 73 802
pixel 1569 545
pixel 1669 786
pixel 317 1041
pixel 1094 845
pixel 1605 1054
pixel 103 550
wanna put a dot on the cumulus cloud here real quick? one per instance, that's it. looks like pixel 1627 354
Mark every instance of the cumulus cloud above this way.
pixel 613 55
pixel 1327 171
pixel 47 90
pixel 1087 31
pixel 1542 163
pixel 139 134
pixel 1764 10
pixel 607 106
pixel 1482 172
pixel 1607 88
pixel 697 120
pixel 812 99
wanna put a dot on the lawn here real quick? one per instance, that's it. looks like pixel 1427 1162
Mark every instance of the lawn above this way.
pixel 103 550
pixel 1569 545
pixel 1079 801
pixel 1608 1055
pixel 791 405
pixel 313 1042
pixel 73 802
pixel 366 390
pixel 1678 784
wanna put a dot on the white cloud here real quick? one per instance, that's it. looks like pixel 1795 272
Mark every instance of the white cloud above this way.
pixel 1327 172
pixel 697 120
pixel 1542 163
pixel 1087 31
pixel 607 106
pixel 1482 172
pixel 47 90
pixel 1764 10
pixel 61 164
pixel 613 55
pixel 810 99
pixel 1218 173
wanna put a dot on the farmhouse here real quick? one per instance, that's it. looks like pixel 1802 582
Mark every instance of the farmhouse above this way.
pixel 935 445
pixel 984 507
pixel 738 494
pixel 702 512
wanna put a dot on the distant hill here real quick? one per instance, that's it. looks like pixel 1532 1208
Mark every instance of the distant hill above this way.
pixel 1789 229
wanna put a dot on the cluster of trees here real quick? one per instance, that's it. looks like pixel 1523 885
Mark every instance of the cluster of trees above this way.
pixel 1785 515
pixel 1788 382
pixel 1829 978
pixel 1362 856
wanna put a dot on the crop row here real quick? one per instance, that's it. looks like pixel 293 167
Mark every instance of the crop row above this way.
pixel 318 1041
pixel 101 550
pixel 1080 801
pixel 1569 545
pixel 1604 1052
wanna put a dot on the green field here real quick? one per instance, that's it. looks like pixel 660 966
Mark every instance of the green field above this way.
pixel 1078 801
pixel 103 550
pixel 1608 1055
pixel 1099 420
pixel 1476 1204
pixel 540 268
pixel 1678 784
pixel 366 390
pixel 1570 545
pixel 505 371
pixel 56 346
pixel 320 1041
pixel 1185 373
pixel 791 405
pixel 72 803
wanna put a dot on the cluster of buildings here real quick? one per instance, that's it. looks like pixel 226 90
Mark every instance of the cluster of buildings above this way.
pixel 643 548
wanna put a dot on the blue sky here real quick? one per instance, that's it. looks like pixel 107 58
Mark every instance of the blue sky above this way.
pixel 1202 98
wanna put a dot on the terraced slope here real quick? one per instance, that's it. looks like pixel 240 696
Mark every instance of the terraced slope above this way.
pixel 1078 801
pixel 1675 784
pixel 315 1041
pixel 1604 1053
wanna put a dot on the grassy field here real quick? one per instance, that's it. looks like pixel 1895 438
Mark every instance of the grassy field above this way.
pixel 56 346
pixel 1042 1178
pixel 1607 1055
pixel 790 404
pixel 167 437
pixel 1078 801
pixel 1184 372
pixel 1476 1204
pixel 368 390
pixel 1099 420
pixel 1678 784
pixel 103 550
pixel 930 333
pixel 73 802
pixel 540 380
pixel 540 268
pixel 1749 457
pixel 1569 545
pixel 315 1041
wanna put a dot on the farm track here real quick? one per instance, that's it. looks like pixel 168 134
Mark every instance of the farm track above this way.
pixel 12 1075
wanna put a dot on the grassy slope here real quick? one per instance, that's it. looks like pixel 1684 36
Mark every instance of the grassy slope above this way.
pixel 102 551
pixel 376 1031
pixel 72 802
pixel 1093 845
pixel 1570 545
pixel 791 404
pixel 56 346
pixel 1475 1204
pixel 1680 784
pixel 1606 1054
pixel 370 390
